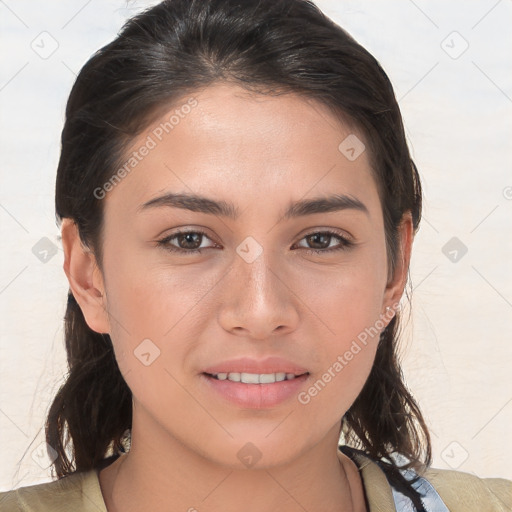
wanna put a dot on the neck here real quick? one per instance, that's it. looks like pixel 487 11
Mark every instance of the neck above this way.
pixel 179 479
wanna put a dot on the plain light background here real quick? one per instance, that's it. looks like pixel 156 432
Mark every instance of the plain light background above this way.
pixel 450 64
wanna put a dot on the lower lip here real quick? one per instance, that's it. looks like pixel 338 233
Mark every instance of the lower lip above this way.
pixel 256 396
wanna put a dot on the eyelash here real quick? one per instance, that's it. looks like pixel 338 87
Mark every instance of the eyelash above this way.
pixel 345 243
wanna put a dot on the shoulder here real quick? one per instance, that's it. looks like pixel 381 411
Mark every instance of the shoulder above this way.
pixel 465 491
pixel 440 490
pixel 79 492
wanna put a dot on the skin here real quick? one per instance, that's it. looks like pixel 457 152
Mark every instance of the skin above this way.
pixel 261 153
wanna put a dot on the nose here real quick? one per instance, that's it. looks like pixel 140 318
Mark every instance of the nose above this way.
pixel 259 300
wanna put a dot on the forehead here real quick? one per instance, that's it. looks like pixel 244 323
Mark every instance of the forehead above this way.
pixel 248 147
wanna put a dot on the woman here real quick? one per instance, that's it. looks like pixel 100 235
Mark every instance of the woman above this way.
pixel 238 206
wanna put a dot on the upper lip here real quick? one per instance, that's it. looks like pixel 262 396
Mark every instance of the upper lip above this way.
pixel 248 365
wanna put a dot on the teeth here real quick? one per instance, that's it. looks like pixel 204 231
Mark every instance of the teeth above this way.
pixel 255 378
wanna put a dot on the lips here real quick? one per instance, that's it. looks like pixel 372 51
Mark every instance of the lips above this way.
pixel 255 366
pixel 254 396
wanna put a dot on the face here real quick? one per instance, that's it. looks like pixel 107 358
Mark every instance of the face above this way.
pixel 250 276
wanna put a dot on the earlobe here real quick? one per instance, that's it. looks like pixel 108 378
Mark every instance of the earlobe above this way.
pixel 85 278
pixel 396 286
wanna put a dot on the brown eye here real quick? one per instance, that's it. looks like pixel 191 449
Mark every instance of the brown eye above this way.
pixel 321 242
pixel 188 242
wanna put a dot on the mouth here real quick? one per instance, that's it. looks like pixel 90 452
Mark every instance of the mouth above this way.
pixel 255 378
pixel 255 390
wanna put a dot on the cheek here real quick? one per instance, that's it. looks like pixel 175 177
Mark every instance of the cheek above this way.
pixel 345 362
pixel 348 310
pixel 148 301
pixel 346 300
pixel 152 309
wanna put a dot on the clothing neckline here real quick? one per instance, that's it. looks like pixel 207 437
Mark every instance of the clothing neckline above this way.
pixel 376 488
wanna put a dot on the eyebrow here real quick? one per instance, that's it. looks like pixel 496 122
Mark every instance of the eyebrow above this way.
pixel 201 204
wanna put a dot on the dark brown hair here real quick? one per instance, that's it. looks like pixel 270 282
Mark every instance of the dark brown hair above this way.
pixel 177 48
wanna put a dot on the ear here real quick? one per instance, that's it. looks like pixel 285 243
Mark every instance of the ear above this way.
pixel 396 284
pixel 85 278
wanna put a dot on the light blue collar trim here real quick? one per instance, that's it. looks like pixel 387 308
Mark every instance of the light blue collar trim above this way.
pixel 429 496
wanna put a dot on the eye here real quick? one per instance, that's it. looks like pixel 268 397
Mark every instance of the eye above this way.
pixel 324 239
pixel 189 242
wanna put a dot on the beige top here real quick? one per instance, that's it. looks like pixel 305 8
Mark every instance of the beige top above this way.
pixel 81 492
